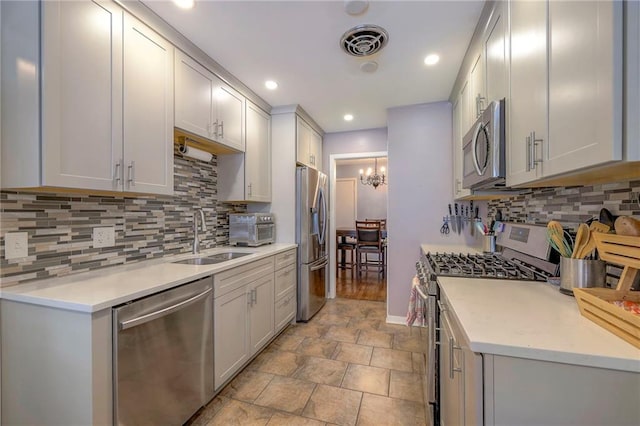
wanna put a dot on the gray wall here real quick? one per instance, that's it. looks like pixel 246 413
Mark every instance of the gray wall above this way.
pixel 372 203
pixel 370 140
pixel 420 159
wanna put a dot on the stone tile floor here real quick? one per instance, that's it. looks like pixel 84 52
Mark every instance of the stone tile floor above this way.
pixel 346 366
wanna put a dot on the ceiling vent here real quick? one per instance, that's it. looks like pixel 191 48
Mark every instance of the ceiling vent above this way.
pixel 364 40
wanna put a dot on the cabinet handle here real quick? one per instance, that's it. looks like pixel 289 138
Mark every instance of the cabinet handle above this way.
pixel 442 306
pixel 249 186
pixel 116 174
pixel 132 173
pixel 254 296
pixel 214 128
pixel 250 298
pixel 534 142
pixel 458 186
pixel 453 369
pixel 479 103
pixel 222 129
pixel 528 139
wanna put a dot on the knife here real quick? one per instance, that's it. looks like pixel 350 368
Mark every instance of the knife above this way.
pixel 458 218
pixel 453 223
pixel 471 219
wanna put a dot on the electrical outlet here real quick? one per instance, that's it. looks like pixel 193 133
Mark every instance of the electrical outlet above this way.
pixel 15 245
pixel 104 237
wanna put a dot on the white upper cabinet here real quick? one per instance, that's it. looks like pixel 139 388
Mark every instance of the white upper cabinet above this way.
pixel 565 104
pixel 495 53
pixel 247 176
pixel 81 94
pixel 148 110
pixel 585 85
pixel 105 110
pixel 476 85
pixel 258 155
pixel 458 191
pixel 206 106
pixel 194 96
pixel 229 123
pixel 527 101
pixel 309 145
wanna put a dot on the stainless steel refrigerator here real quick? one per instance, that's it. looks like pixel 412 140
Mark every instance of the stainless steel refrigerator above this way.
pixel 312 228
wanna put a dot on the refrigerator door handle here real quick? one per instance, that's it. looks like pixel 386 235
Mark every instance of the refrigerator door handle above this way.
pixel 323 210
pixel 320 266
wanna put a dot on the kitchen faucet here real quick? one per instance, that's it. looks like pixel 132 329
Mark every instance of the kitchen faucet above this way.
pixel 196 239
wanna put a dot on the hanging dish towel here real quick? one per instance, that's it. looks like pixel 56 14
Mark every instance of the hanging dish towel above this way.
pixel 417 312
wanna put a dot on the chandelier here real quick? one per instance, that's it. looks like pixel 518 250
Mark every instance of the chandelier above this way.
pixel 374 179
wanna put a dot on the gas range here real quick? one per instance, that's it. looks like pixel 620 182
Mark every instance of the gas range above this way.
pixel 526 256
pixel 483 266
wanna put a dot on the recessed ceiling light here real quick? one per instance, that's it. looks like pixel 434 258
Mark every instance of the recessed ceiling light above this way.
pixel 184 4
pixel 348 117
pixel 431 59
pixel 271 85
pixel 355 7
pixel 369 66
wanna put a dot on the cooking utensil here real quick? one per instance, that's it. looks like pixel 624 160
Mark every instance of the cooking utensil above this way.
pixel 607 218
pixel 458 218
pixel 557 239
pixel 599 227
pixel 444 229
pixel 453 221
pixel 582 238
pixel 480 227
pixel 472 228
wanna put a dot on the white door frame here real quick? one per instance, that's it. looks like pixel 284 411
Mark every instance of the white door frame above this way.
pixel 332 214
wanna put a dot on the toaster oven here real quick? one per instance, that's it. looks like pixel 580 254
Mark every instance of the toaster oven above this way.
pixel 251 229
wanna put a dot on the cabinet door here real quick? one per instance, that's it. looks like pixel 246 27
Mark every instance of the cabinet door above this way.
pixel 257 155
pixel 585 85
pixel 148 110
pixel 81 94
pixel 495 53
pixel 478 97
pixel 303 140
pixel 261 313
pixel 465 109
pixel 315 149
pixel 231 342
pixel 229 113
pixel 527 103
pixel 194 86
pixel 458 191
pixel 451 381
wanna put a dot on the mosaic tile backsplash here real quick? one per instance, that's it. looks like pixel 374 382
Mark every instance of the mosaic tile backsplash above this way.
pixel 60 226
pixel 571 205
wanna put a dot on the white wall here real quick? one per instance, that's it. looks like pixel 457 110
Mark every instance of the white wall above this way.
pixel 372 203
pixel 419 155
pixel 370 140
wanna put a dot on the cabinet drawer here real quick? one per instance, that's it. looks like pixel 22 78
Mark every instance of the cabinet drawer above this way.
pixel 285 280
pixel 285 309
pixel 286 258
pixel 232 279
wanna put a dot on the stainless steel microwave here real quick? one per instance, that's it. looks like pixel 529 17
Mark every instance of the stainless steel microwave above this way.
pixel 251 229
pixel 484 150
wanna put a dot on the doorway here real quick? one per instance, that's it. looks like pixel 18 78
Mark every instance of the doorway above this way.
pixel 351 201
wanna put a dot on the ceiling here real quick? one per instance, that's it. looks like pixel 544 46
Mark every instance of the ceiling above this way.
pixel 297 44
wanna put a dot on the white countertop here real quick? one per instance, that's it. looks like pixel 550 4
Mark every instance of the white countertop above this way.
pixel 533 320
pixel 101 289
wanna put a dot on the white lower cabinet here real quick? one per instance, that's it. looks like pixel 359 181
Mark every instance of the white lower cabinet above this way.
pixel 260 313
pixel 493 389
pixel 242 316
pixel 285 289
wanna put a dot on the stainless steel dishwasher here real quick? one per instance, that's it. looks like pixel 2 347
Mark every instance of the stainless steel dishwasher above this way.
pixel 163 355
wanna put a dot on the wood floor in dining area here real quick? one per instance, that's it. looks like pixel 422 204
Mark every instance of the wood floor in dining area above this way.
pixel 370 286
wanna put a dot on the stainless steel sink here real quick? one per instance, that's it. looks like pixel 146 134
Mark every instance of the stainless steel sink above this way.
pixel 213 259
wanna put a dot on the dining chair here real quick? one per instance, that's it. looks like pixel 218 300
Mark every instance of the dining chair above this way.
pixel 369 242
pixel 345 245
